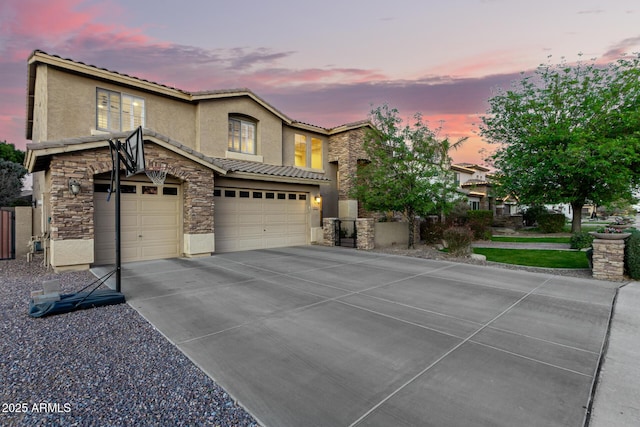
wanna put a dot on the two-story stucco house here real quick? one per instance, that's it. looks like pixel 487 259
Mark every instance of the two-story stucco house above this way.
pixel 241 174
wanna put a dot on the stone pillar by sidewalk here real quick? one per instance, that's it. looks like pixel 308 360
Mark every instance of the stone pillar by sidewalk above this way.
pixel 329 231
pixel 608 259
pixel 366 233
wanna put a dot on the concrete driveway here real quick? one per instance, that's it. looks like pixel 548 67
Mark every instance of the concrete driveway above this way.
pixel 317 336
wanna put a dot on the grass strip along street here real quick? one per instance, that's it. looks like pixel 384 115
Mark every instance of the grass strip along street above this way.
pixel 535 257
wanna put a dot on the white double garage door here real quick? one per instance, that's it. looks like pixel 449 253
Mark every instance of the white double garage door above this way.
pixel 151 221
pixel 246 219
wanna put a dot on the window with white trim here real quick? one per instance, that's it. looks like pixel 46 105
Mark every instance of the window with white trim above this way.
pixel 308 155
pixel 242 135
pixel 118 112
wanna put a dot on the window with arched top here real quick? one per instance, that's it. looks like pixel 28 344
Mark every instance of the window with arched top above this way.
pixel 242 135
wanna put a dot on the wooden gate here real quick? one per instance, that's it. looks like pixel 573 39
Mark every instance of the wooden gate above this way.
pixel 7 235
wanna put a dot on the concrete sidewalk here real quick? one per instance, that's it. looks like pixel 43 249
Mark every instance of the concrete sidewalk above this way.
pixel 617 398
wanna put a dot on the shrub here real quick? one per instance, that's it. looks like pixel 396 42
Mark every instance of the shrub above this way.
pixel 551 223
pixel 581 240
pixel 531 215
pixel 431 230
pixel 632 255
pixel 480 223
pixel 458 240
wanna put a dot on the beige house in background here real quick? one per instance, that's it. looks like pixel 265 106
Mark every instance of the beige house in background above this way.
pixel 241 174
pixel 475 181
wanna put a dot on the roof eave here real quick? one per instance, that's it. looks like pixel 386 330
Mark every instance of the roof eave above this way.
pixel 275 178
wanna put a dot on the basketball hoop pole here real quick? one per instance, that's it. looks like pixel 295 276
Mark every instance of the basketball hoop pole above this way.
pixel 131 154
pixel 118 258
pixel 116 158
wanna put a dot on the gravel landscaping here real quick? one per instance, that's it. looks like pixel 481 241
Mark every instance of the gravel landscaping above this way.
pixel 104 366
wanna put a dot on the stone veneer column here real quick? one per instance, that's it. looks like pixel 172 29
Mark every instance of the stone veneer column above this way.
pixel 366 233
pixel 608 259
pixel 329 231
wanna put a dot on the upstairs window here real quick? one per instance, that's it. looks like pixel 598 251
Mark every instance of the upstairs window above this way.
pixel 242 135
pixel 118 112
pixel 308 155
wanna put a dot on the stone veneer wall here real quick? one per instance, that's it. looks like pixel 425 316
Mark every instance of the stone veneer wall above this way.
pixel 366 233
pixel 608 259
pixel 346 148
pixel 329 231
pixel 72 217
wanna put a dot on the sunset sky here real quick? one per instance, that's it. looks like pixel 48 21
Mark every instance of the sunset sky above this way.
pixel 324 63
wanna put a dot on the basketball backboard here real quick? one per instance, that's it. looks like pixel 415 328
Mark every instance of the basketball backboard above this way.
pixel 134 153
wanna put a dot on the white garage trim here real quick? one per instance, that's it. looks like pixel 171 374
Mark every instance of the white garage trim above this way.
pixel 247 219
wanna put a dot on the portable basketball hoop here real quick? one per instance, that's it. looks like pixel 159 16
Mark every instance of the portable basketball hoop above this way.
pixel 157 176
pixel 131 155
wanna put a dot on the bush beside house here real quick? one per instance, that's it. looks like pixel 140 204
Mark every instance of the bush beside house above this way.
pixel 632 255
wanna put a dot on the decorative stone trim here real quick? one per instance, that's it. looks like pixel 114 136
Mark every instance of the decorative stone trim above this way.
pixel 366 233
pixel 608 259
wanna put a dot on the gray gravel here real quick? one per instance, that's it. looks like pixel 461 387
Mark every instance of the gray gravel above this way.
pixel 104 366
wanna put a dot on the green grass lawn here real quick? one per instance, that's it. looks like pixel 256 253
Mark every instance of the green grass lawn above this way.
pixel 530 239
pixel 536 258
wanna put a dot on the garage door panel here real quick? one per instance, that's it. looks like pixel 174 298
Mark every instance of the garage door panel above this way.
pixel 150 226
pixel 274 242
pixel 276 229
pixel 296 218
pixel 159 221
pixel 275 219
pixel 256 223
pixel 249 231
pixel 275 207
pixel 252 218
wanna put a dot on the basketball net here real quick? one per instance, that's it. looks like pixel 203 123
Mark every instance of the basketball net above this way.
pixel 157 176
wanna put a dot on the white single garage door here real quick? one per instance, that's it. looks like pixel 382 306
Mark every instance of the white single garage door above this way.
pixel 247 219
pixel 149 222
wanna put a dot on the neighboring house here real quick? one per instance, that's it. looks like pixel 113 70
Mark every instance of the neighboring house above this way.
pixel 241 174
pixel 475 181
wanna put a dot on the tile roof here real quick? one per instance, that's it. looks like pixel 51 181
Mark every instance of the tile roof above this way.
pixel 222 165
pixel 232 165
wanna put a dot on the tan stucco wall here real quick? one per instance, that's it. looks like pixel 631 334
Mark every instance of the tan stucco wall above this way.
pixel 24 221
pixel 71 103
pixel 71 254
pixel 391 234
pixel 213 128
pixel 199 244
pixel 39 130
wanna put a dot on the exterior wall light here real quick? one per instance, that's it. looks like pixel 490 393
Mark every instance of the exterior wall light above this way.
pixel 74 186
pixel 318 198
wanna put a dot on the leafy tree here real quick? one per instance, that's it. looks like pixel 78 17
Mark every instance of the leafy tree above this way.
pixel 11 175
pixel 408 170
pixel 568 134
pixel 9 152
